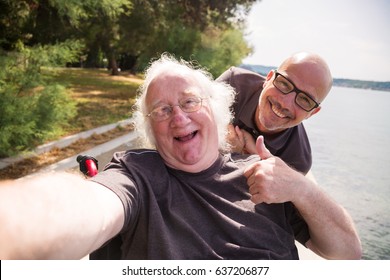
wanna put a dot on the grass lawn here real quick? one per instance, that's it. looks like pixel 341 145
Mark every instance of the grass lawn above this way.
pixel 101 98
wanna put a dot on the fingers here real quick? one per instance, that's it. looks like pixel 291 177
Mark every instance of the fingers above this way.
pixel 256 195
pixel 259 186
pixel 260 194
pixel 250 145
pixel 254 188
pixel 241 138
pixel 262 150
pixel 257 199
pixel 250 170
pixel 236 139
pixel 240 135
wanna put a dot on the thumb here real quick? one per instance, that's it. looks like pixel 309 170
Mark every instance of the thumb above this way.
pixel 261 149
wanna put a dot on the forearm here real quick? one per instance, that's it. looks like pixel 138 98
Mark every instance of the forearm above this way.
pixel 52 217
pixel 332 232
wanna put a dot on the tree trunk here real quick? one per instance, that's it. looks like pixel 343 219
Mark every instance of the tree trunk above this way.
pixel 113 65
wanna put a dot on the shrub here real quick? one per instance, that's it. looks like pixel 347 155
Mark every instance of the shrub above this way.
pixel 31 111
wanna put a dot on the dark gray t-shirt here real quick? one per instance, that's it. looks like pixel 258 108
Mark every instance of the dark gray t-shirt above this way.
pixel 172 214
pixel 292 145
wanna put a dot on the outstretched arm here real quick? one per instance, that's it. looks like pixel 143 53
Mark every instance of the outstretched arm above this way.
pixel 332 232
pixel 56 216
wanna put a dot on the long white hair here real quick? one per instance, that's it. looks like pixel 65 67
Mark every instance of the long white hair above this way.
pixel 220 98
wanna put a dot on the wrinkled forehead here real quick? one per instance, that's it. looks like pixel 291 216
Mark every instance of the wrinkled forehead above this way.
pixel 168 87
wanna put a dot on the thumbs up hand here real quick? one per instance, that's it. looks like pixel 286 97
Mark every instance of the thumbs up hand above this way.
pixel 271 180
pixel 261 149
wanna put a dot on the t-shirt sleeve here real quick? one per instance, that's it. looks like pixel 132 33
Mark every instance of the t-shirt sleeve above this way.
pixel 117 178
pixel 225 76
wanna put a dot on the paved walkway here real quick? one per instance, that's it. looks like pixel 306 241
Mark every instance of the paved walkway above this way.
pixel 101 152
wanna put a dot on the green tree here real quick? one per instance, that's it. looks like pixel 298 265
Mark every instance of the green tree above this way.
pixel 102 33
pixel 14 16
pixel 198 30
pixel 136 30
pixel 220 49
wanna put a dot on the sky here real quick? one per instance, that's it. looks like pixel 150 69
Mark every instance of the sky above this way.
pixel 353 36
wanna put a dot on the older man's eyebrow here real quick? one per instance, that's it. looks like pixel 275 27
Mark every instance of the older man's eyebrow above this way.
pixel 191 91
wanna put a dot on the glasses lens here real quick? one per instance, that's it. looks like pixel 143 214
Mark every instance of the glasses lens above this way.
pixel 282 84
pixel 187 105
pixel 161 113
pixel 191 104
pixel 305 102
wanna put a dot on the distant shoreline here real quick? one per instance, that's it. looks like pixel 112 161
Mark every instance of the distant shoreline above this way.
pixel 382 86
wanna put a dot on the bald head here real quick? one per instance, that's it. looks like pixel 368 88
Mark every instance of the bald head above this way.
pixel 310 71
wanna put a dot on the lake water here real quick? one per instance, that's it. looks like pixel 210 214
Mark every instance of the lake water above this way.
pixel 350 140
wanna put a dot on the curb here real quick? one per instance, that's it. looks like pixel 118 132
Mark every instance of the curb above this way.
pixel 71 162
pixel 64 142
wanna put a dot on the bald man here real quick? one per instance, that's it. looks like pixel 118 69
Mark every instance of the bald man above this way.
pixel 275 106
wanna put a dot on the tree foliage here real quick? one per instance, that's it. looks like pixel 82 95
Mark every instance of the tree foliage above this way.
pixel 117 34
pixel 221 49
pixel 126 32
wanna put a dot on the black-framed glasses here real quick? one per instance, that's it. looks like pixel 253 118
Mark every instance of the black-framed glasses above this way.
pixel 187 105
pixel 302 99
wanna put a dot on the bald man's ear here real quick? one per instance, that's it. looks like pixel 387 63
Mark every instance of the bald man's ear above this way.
pixel 315 111
pixel 269 77
pixel 270 74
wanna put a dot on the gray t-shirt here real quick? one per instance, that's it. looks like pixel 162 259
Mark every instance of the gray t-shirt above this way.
pixel 172 214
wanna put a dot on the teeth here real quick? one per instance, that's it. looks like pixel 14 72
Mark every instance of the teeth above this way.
pixel 186 138
pixel 278 112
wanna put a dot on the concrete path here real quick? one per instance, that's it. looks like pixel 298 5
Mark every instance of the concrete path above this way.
pixel 66 141
pixel 103 153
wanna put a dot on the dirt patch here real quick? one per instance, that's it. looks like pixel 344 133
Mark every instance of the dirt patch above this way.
pixel 35 163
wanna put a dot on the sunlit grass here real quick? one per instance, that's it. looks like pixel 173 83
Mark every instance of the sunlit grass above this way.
pixel 101 98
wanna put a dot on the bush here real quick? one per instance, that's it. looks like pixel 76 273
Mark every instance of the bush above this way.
pixel 30 110
pixel 53 109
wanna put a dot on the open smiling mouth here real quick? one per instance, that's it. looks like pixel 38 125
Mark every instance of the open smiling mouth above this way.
pixel 277 109
pixel 277 112
pixel 187 137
